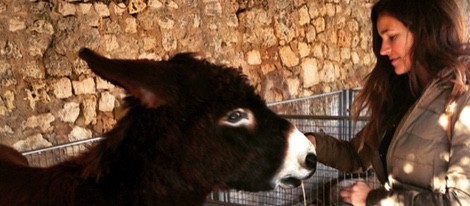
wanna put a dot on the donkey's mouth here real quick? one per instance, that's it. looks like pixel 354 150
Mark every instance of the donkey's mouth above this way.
pixel 290 182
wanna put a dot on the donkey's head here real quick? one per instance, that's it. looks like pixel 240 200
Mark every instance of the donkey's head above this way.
pixel 207 124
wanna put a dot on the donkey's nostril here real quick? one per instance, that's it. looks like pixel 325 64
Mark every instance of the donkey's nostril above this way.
pixel 311 161
pixel 292 181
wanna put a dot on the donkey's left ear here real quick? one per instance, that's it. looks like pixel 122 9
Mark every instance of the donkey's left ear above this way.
pixel 132 75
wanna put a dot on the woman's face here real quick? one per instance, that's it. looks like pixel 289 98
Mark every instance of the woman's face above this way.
pixel 396 43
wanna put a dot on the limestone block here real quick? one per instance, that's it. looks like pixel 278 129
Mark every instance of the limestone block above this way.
pixel 345 53
pixel 9 50
pixel 70 112
pixel 104 123
pixel 62 88
pixel 330 9
pixel 309 69
pixel 304 17
pixel 31 143
pixel 103 84
pixel 355 58
pixel 319 24
pixel 101 9
pixel 6 130
pixel 89 109
pixel 288 57
pixel 267 68
pixel 84 8
pixel 232 21
pixel 310 34
pixel 42 121
pixel 110 42
pixel 171 5
pixel 328 72
pixel 7 77
pixel 253 57
pixel 66 9
pixel 106 102
pixel 79 133
pixel 293 85
pixel 131 25
pixel 57 65
pixel 109 26
pixel 16 25
pixel 284 29
pixel 3 7
pixel 43 27
pixel 37 92
pixel 166 22
pixel 169 42
pixel 119 8
pixel 92 17
pixel 9 100
pixel 155 4
pixel 38 43
pixel 213 9
pixel 136 6
pixel 304 49
pixel 85 86
pixel 317 51
pixel 268 38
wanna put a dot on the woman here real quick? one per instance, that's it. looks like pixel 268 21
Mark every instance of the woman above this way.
pixel 418 85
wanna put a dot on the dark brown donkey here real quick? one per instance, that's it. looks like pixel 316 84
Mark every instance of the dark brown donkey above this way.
pixel 191 127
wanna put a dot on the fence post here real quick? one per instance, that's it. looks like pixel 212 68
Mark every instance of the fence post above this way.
pixel 344 113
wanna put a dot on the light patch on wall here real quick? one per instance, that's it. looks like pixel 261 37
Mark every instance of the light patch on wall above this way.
pixel 444 155
pixel 443 120
pixel 465 161
pixel 411 156
pixel 438 181
pixel 408 168
pixel 465 116
pixel 388 202
pixel 463 184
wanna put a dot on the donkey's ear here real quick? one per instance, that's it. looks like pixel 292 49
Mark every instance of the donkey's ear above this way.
pixel 132 75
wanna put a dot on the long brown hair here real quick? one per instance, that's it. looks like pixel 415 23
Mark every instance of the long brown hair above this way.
pixel 438 31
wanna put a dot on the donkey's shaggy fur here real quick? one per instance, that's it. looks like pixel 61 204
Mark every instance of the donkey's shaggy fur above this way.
pixel 191 127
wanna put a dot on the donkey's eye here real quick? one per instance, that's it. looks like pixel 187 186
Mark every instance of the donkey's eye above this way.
pixel 238 117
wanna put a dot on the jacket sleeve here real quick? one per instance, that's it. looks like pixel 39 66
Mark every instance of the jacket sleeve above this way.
pixel 381 197
pixel 347 156
pixel 455 186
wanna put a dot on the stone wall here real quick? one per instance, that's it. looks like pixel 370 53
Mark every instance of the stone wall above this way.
pixel 288 48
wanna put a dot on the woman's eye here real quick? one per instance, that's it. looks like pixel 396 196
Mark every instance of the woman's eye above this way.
pixel 393 37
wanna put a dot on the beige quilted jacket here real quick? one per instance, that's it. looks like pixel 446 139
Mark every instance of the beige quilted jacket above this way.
pixel 423 167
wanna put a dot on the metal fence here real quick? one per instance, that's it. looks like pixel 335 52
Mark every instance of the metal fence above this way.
pixel 327 113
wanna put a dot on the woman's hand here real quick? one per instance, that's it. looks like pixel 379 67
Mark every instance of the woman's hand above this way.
pixel 356 194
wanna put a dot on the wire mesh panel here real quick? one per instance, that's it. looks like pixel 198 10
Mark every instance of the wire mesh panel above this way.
pixel 328 113
pixel 52 155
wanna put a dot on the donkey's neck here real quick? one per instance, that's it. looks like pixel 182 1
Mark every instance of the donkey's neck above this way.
pixel 139 153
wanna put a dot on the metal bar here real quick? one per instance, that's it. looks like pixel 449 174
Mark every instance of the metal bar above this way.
pixel 321 117
pixel 303 98
pixel 62 146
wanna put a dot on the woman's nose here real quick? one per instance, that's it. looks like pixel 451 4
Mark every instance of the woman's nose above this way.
pixel 385 49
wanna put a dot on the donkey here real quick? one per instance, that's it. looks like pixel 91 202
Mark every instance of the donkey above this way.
pixel 191 127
